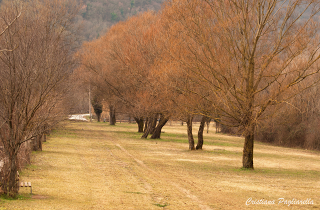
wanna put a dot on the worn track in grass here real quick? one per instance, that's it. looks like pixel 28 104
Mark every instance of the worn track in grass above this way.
pixel 96 166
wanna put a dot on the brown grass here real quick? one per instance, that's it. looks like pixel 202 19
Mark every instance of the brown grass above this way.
pixel 97 166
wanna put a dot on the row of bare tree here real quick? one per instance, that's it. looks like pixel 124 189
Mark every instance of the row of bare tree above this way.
pixel 238 62
pixel 35 61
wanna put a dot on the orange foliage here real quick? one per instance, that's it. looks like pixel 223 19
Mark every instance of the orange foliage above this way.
pixel 230 60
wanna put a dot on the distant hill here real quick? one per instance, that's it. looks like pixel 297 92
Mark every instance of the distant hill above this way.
pixel 99 15
pixel 96 16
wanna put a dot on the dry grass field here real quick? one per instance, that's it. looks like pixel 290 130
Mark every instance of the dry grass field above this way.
pixel 97 166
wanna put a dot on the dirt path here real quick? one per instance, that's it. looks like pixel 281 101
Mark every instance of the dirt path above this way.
pixel 93 166
pixel 165 179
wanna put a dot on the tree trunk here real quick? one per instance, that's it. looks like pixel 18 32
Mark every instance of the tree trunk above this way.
pixel 37 143
pixel 140 124
pixel 247 159
pixel 13 184
pixel 28 151
pixel 208 123
pixel 248 120
pixel 112 112
pixel 46 132
pixel 157 131
pixel 153 123
pixel 146 124
pixel 190 135
pixel 200 132
pixel 217 126
pixel 4 177
pixel 98 116
pixel 147 128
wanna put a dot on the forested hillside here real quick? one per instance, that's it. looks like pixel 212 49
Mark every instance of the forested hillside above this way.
pixel 98 15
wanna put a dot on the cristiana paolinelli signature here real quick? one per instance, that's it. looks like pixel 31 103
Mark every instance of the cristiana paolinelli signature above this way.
pixel 279 201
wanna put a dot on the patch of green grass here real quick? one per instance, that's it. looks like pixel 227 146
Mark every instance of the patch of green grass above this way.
pixel 280 156
pixel 207 167
pixel 35 152
pixel 134 192
pixel 291 173
pixel 31 166
pixel 246 169
pixel 175 135
pixel 23 196
pixel 272 172
pixel 184 141
pixel 161 205
pixel 178 138
pixel 175 138
pixel 128 134
pixel 64 133
pixel 125 125
pixel 223 151
pixel 225 144
pixel 117 125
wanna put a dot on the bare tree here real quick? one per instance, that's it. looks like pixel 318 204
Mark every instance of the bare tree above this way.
pixel 248 55
pixel 37 61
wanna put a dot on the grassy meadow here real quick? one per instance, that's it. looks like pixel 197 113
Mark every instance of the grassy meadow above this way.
pixel 98 166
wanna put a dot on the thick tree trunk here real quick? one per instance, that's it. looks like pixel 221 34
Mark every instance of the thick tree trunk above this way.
pixel 112 112
pixel 247 158
pixel 157 131
pixel 248 120
pixel 200 132
pixel 140 124
pixel 190 135
pixel 37 143
pixel 147 128
pixel 13 184
pixel 146 124
pixel 99 116
pixel 152 122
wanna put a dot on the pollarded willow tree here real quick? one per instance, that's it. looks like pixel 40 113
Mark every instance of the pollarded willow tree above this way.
pixel 36 63
pixel 248 54
pixel 123 64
